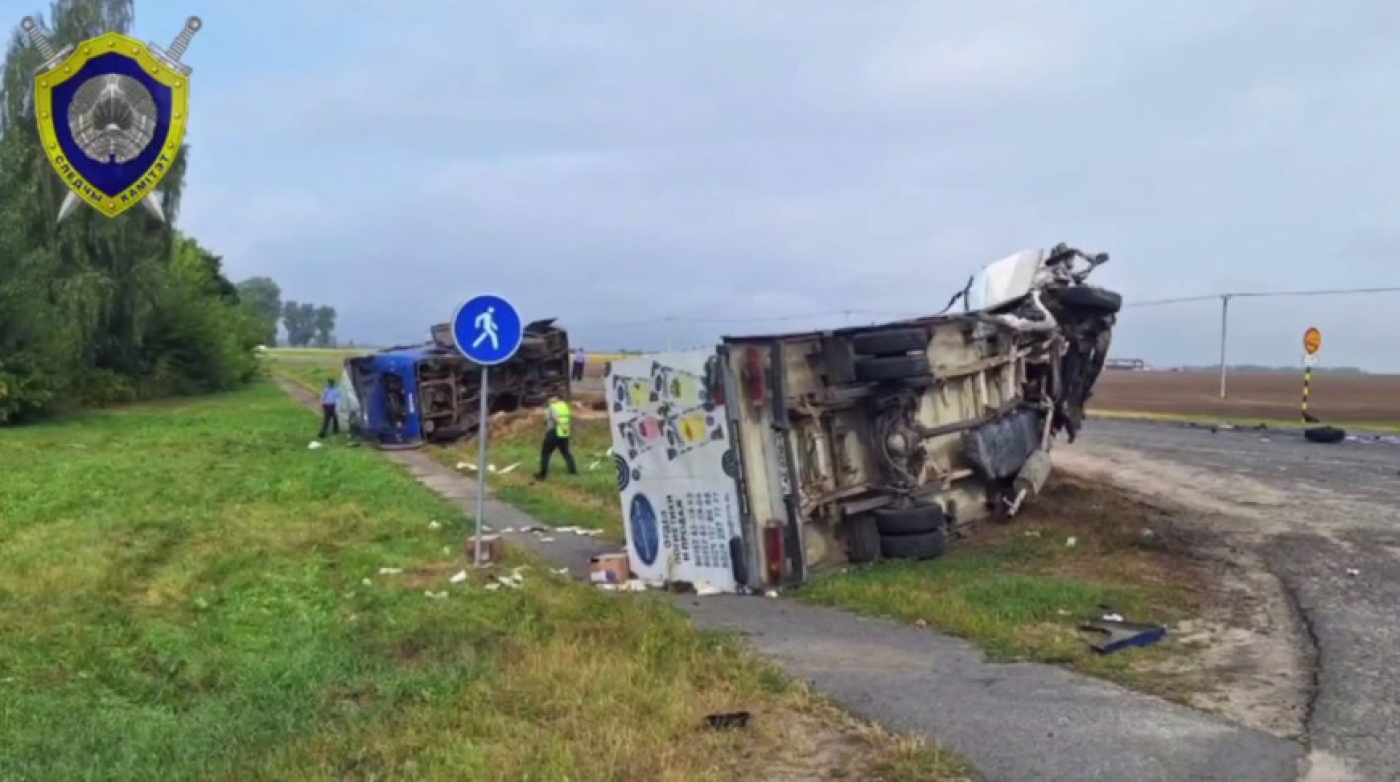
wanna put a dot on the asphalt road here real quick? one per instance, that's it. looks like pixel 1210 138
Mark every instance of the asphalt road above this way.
pixel 1324 519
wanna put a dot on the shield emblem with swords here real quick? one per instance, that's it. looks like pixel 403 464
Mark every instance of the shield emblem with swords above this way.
pixel 112 113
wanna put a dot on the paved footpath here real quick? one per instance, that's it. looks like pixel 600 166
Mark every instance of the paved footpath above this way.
pixel 1021 722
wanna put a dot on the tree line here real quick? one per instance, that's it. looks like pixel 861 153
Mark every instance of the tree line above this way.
pixel 306 324
pixel 96 310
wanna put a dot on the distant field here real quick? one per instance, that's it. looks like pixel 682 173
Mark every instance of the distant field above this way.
pixel 1356 399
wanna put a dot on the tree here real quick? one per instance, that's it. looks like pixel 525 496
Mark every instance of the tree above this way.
pixel 99 309
pixel 262 300
pixel 299 318
pixel 325 327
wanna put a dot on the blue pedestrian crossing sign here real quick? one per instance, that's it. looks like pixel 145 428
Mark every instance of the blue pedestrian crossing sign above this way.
pixel 487 330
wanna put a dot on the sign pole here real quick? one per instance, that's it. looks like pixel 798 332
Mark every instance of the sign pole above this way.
pixel 481 465
pixel 1312 342
pixel 487 331
pixel 1307 381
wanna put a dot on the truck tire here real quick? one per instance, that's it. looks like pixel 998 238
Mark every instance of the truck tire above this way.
pixel 1329 435
pixel 889 342
pixel 929 545
pixel 862 539
pixel 1088 298
pixel 892 367
pixel 912 520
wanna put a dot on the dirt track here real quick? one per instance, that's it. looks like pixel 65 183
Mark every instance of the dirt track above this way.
pixel 1335 398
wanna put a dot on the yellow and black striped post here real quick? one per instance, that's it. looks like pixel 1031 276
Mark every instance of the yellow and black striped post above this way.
pixel 1307 382
pixel 1312 342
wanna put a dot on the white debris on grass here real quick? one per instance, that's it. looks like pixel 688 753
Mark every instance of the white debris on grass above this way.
pixel 583 531
pixel 366 582
pixel 435 595
pixel 1071 541
pixel 458 577
pixel 313 445
pixel 434 524
pixel 509 468
pixel 390 571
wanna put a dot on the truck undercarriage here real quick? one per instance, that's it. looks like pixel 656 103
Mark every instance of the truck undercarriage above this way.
pixel 880 441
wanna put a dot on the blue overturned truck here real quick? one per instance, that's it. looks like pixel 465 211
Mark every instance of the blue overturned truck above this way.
pixel 405 396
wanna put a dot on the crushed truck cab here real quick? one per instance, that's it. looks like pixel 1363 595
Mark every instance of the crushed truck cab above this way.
pixel 857 444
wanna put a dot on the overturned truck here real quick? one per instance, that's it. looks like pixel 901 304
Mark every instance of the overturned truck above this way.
pixel 404 396
pixel 857 444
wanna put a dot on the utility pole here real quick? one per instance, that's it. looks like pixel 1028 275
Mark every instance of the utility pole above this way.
pixel 1224 335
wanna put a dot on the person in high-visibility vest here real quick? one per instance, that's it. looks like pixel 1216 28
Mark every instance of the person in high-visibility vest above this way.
pixel 556 437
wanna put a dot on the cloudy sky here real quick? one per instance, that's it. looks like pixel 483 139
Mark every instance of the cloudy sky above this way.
pixel 725 164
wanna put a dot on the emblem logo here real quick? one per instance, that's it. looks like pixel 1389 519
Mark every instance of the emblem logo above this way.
pixel 112 113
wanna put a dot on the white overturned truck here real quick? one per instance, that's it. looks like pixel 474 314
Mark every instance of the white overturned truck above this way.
pixel 857 444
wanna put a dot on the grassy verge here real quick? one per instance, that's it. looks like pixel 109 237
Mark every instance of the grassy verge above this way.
pixel 1020 590
pixel 1017 591
pixel 187 592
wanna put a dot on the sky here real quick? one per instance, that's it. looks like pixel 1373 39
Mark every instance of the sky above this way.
pixel 661 172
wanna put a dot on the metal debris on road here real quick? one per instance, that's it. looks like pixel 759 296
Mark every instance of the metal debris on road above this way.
pixel 1122 634
pixel 1351 571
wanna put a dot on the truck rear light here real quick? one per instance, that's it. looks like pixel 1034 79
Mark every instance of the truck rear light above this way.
pixel 773 552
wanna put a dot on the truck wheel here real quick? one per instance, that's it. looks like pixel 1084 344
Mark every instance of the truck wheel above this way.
pixel 889 342
pixel 1088 298
pixel 929 545
pixel 862 539
pixel 892 367
pixel 913 520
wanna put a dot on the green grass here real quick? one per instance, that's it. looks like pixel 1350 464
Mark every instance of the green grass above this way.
pixel 187 592
pixel 1020 591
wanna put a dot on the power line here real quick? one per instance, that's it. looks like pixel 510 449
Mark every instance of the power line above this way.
pixel 1261 294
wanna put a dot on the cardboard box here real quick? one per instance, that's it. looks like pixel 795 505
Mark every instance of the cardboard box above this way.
pixel 609 568
pixel 493 549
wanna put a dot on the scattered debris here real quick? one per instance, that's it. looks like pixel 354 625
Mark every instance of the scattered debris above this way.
pixel 1032 533
pixel 705 589
pixel 458 577
pixel 634 585
pixel 583 531
pixel 1122 634
pixel 366 582
pixel 313 445
pixel 561 571
pixel 466 466
pixel 390 571
pixel 1351 571
pixel 1071 541
pixel 434 524
pixel 727 721
pixel 493 586
pixel 546 539
pixel 771 593
pixel 507 469
pixel 435 595
pixel 613 568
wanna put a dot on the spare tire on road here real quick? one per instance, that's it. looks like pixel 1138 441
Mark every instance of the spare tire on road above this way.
pixel 1324 434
